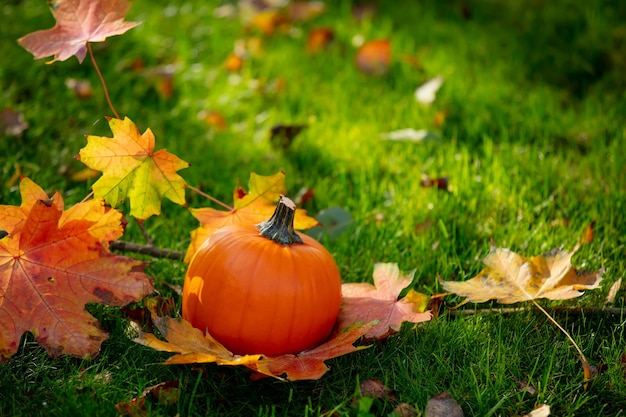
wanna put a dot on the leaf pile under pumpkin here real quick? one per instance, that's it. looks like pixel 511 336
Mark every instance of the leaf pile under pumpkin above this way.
pixel 52 263
pixel 388 314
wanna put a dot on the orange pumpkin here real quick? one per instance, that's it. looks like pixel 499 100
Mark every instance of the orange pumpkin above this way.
pixel 263 289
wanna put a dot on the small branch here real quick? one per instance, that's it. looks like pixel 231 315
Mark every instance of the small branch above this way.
pixel 121 245
pixel 511 310
pixel 213 199
pixel 104 85
pixel 145 233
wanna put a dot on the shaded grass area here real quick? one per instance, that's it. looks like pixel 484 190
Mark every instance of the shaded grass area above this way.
pixel 533 144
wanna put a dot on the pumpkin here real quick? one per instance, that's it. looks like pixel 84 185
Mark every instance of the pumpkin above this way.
pixel 263 288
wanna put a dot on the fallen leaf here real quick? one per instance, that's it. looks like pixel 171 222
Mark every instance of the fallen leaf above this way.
pixel 282 135
pixel 233 63
pixel 12 123
pixel 310 364
pixel 587 236
pixel 192 346
pixel 214 119
pixel 610 298
pixel 374 57
pixel 376 389
pixel 319 39
pixel 411 135
pixel 541 411
pixel 131 169
pixel 427 92
pixel 441 183
pixel 405 410
pixel 52 263
pixel 511 278
pixel 189 344
pixel 84 174
pixel 364 302
pixel 333 222
pixel 440 118
pixel 78 22
pixel 81 88
pixel 443 405
pixel 166 393
pixel 303 11
pixel 251 207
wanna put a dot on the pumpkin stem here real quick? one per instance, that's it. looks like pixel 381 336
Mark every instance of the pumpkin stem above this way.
pixel 279 227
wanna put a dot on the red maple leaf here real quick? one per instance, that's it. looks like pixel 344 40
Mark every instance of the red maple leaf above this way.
pixel 52 263
pixel 78 22
pixel 364 302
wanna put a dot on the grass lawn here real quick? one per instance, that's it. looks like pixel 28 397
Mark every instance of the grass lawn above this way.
pixel 533 144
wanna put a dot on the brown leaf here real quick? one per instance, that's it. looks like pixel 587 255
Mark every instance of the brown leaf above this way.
pixel 511 278
pixel 310 364
pixel 12 123
pixel 78 22
pixel 374 57
pixel 443 405
pixel 441 183
pixel 319 39
pixel 81 88
pixel 53 263
pixel 192 346
pixel 282 135
pixel 164 393
pixel 379 302
pixel 376 389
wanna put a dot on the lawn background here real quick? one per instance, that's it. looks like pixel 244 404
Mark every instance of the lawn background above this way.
pixel 533 145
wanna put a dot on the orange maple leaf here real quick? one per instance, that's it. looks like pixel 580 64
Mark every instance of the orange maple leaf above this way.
pixel 363 302
pixel 78 22
pixel 131 169
pixel 52 263
pixel 252 207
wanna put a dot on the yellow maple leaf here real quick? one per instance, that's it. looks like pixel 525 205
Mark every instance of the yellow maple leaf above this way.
pixel 252 207
pixel 511 278
pixel 131 169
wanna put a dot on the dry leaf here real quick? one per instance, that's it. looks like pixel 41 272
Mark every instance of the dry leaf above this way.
pixel 319 39
pixel 365 302
pixel 511 278
pixel 610 298
pixel 164 393
pixel 541 411
pixel 132 169
pixel 374 57
pixel 443 405
pixel 12 123
pixel 52 263
pixel 192 346
pixel 427 92
pixel 78 22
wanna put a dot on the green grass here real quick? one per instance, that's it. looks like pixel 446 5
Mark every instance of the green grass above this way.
pixel 534 146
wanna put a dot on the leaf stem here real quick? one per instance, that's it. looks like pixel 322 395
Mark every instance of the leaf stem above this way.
pixel 104 85
pixel 205 195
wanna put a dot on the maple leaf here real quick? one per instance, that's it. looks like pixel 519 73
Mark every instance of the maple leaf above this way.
pixel 78 22
pixel 131 169
pixel 52 263
pixel 252 207
pixel 192 346
pixel 511 278
pixel 310 364
pixel 364 302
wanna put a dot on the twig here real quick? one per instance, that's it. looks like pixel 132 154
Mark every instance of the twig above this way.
pixel 104 85
pixel 559 309
pixel 213 199
pixel 121 245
